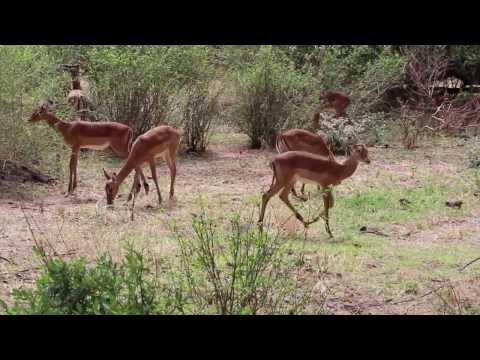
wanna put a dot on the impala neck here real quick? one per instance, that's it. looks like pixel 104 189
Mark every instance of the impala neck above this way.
pixel 126 169
pixel 349 167
pixel 55 122
pixel 76 84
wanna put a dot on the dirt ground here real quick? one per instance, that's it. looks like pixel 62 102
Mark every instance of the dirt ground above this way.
pixel 412 267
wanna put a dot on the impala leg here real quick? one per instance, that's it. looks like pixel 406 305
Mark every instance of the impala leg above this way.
pixel 72 170
pixel 135 193
pixel 136 187
pixel 153 169
pixel 74 186
pixel 301 197
pixel 274 189
pixel 173 173
pixel 328 202
pixel 284 197
pixel 144 181
pixel 302 190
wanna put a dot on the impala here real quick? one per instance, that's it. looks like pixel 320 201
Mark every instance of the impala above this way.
pixel 292 166
pixel 76 97
pixel 337 101
pixel 303 140
pixel 159 142
pixel 87 135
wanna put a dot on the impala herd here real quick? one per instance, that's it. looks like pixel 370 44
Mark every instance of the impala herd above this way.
pixel 303 156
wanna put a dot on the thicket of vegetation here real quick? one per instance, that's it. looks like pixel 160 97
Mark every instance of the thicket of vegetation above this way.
pixel 227 269
pixel 269 88
pixel 230 268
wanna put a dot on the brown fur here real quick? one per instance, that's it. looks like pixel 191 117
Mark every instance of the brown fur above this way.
pixel 292 166
pixel 82 134
pixel 303 140
pixel 336 101
pixel 161 141
pixel 76 97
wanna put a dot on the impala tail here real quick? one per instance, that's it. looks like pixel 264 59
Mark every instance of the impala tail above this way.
pixel 280 144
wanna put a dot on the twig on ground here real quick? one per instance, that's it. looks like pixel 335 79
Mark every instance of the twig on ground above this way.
pixel 7 260
pixel 470 263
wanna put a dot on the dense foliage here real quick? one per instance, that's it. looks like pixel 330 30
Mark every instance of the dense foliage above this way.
pixel 230 269
pixel 259 89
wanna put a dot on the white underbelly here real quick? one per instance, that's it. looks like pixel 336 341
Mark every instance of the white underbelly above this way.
pixel 304 180
pixel 161 155
pixel 96 147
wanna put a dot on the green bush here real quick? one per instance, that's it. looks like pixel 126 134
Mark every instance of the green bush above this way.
pixel 139 85
pixel 28 75
pixel 236 269
pixel 363 71
pixel 200 112
pixel 73 288
pixel 341 133
pixel 271 95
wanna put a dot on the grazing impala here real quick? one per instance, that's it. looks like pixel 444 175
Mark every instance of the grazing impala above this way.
pixel 161 141
pixel 303 140
pixel 86 135
pixel 299 165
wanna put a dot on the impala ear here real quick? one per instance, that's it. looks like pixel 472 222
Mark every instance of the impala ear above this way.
pixel 106 174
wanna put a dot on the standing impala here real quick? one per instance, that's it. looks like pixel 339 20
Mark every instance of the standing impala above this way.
pixel 299 165
pixel 86 135
pixel 159 142
pixel 303 140
pixel 76 97
pixel 336 101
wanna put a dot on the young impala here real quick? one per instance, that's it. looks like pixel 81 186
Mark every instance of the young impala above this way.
pixel 161 141
pixel 292 166
pixel 76 97
pixel 303 140
pixel 87 135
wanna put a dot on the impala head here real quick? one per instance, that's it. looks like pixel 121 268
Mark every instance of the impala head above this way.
pixel 111 187
pixel 42 108
pixel 360 152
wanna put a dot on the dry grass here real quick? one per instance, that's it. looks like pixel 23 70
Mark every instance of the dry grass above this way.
pixel 354 273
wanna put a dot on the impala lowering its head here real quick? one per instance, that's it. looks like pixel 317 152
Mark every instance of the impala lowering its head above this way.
pixel 295 166
pixel 86 135
pixel 163 142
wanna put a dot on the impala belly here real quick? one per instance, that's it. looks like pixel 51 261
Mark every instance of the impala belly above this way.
pixel 161 155
pixel 96 146
pixel 308 177
pixel 95 143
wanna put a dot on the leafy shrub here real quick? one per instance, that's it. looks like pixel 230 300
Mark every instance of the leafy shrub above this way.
pixel 341 132
pixel 200 111
pixel 238 269
pixel 381 74
pixel 138 85
pixel 73 288
pixel 28 75
pixel 233 270
pixel 270 93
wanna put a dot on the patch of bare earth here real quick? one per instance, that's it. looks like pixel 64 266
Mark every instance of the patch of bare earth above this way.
pixel 227 178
